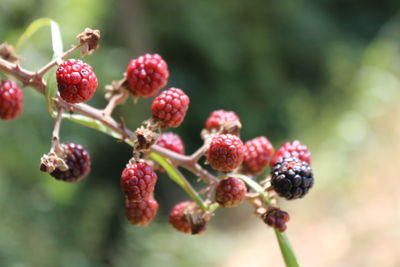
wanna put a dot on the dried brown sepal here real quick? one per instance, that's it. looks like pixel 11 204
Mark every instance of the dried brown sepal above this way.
pixel 51 162
pixel 89 40
pixel 145 138
pixel 116 88
pixel 7 52
pixel 197 218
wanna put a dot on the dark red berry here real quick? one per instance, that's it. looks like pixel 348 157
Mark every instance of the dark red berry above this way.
pixel 147 75
pixel 257 153
pixel 291 178
pixel 292 149
pixel 186 217
pixel 220 118
pixel 141 212
pixel 171 141
pixel 226 152
pixel 76 81
pixel 11 100
pixel 230 192
pixel 169 108
pixel 138 181
pixel 276 218
pixel 78 162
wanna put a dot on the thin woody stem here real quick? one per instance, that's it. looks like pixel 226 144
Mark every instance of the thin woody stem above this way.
pixel 55 146
pixel 56 61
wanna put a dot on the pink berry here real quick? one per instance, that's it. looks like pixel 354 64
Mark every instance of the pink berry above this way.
pixel 292 149
pixel 257 153
pixel 11 100
pixel 230 192
pixel 141 212
pixel 218 118
pixel 138 181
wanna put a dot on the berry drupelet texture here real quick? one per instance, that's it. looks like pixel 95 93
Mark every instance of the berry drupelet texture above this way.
pixel 76 81
pixel 226 152
pixel 11 100
pixel 291 178
pixel 138 181
pixel 276 218
pixel 292 149
pixel 220 118
pixel 257 153
pixel 169 108
pixel 147 75
pixel 230 192
pixel 78 162
pixel 141 212
pixel 171 141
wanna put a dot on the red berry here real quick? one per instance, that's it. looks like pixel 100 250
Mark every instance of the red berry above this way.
pixel 171 142
pixel 230 192
pixel 76 81
pixel 257 153
pixel 292 149
pixel 226 152
pixel 219 118
pixel 169 108
pixel 141 212
pixel 138 181
pixel 186 217
pixel 147 75
pixel 78 161
pixel 276 218
pixel 11 100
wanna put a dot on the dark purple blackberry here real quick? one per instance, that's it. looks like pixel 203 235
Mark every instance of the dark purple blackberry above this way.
pixel 78 161
pixel 291 178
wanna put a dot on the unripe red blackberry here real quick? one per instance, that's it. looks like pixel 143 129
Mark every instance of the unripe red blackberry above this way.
pixel 138 181
pixel 220 118
pixel 169 108
pixel 291 178
pixel 171 141
pixel 276 218
pixel 257 153
pixel 187 218
pixel 226 152
pixel 76 81
pixel 11 100
pixel 147 75
pixel 292 149
pixel 78 162
pixel 141 212
pixel 230 192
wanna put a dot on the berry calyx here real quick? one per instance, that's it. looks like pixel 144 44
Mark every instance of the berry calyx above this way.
pixel 257 153
pixel 291 178
pixel 169 108
pixel 76 81
pixel 292 149
pixel 276 218
pixel 141 212
pixel 171 141
pixel 11 100
pixel 230 192
pixel 186 217
pixel 147 75
pixel 222 119
pixel 138 181
pixel 226 152
pixel 78 161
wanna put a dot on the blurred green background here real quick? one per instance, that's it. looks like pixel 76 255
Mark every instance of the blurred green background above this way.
pixel 325 72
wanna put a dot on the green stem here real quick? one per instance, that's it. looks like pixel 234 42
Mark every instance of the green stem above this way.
pixel 286 249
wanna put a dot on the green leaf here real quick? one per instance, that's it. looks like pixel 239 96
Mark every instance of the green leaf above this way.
pixel 286 250
pixel 178 178
pixel 38 24
pixel 91 123
pixel 57 47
